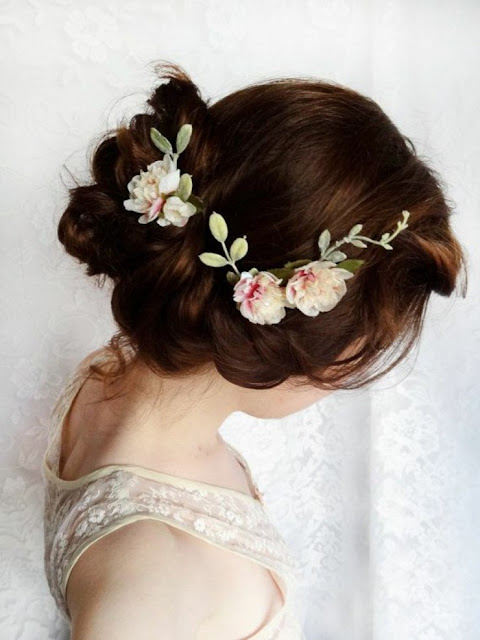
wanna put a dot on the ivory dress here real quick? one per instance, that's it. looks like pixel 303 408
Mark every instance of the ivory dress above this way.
pixel 79 512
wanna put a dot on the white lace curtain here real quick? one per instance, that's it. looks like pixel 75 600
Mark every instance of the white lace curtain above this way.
pixel 377 491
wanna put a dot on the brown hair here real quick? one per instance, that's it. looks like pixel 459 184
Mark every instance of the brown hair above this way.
pixel 281 160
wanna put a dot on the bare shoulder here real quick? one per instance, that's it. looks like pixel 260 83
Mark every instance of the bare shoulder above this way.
pixel 131 583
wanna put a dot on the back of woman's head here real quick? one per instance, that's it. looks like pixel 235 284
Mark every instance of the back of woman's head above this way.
pixel 281 160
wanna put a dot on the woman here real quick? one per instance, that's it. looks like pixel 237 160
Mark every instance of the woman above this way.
pixel 248 244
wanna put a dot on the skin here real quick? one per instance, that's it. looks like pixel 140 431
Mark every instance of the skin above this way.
pixel 181 417
pixel 171 425
pixel 190 411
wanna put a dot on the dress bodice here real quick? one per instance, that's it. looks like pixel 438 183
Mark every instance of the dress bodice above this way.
pixel 79 512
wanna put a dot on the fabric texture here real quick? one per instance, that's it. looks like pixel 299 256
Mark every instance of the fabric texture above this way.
pixel 79 512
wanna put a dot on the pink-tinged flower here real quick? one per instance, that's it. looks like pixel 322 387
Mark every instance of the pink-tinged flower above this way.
pixel 149 189
pixel 260 298
pixel 317 286
pixel 176 212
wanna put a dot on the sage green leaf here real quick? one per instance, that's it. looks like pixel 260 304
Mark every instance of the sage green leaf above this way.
pixel 359 243
pixel 184 187
pixel 197 202
pixel 218 226
pixel 212 259
pixel 355 230
pixel 297 263
pixel 324 241
pixel 232 277
pixel 385 236
pixel 337 256
pixel 239 249
pixel 183 137
pixel 281 272
pixel 351 265
pixel 387 246
pixel 160 141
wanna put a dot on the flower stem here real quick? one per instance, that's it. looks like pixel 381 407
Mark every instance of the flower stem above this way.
pixel 229 257
pixel 400 226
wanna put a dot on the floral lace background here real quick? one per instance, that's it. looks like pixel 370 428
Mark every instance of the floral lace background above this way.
pixel 376 491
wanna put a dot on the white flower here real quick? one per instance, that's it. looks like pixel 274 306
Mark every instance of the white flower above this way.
pixel 317 286
pixel 176 211
pixel 199 524
pixel 260 298
pixel 82 527
pixel 149 189
pixel 96 515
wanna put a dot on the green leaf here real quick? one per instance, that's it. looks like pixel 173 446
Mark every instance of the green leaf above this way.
pixel 358 243
pixel 160 141
pixel 218 226
pixel 239 249
pixel 324 241
pixel 184 187
pixel 387 246
pixel 350 265
pixel 281 272
pixel 297 263
pixel 197 202
pixel 183 137
pixel 232 277
pixel 336 256
pixel 355 230
pixel 212 259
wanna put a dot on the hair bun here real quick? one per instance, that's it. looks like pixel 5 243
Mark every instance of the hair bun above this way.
pixel 95 227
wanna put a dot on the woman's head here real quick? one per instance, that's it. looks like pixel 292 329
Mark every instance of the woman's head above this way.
pixel 281 160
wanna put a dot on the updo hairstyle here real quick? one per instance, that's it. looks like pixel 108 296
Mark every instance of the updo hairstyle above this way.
pixel 281 160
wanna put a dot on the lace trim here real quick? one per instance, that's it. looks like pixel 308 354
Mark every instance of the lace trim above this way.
pixel 75 519
pixel 79 512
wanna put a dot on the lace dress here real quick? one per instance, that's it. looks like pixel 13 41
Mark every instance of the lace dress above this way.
pixel 79 512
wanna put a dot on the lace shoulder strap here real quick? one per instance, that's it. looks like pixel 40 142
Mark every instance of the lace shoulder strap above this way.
pixel 246 466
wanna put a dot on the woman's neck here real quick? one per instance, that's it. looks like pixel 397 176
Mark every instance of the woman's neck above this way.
pixel 180 415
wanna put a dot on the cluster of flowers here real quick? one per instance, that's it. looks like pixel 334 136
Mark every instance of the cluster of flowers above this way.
pixel 162 194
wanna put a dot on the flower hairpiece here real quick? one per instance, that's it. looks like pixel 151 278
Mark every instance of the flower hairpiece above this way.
pixel 163 194
pixel 312 286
